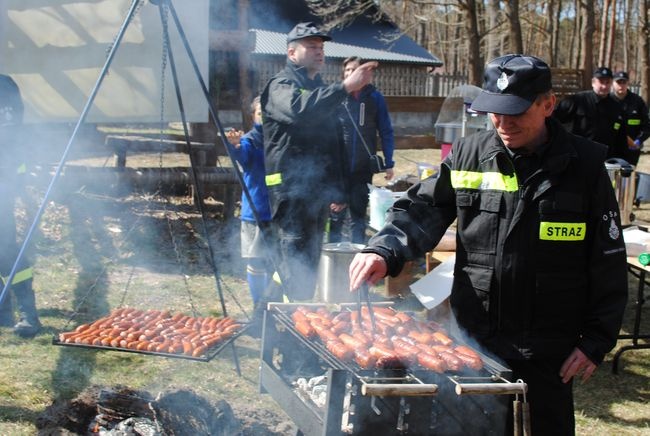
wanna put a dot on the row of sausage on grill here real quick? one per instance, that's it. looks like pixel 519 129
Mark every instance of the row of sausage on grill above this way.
pixel 398 341
pixel 157 331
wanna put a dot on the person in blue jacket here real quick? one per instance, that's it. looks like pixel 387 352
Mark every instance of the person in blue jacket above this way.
pixel 249 152
pixel 363 115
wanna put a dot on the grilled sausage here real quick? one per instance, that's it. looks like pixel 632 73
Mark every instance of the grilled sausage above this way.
pixel 451 360
pixel 364 359
pixel 423 338
pixel 442 338
pixel 340 350
pixel 429 361
pixel 469 357
pixel 353 341
pixel 305 329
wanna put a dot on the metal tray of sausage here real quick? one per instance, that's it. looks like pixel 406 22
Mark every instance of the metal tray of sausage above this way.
pixel 210 353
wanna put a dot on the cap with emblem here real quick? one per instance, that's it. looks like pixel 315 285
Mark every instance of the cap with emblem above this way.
pixel 306 30
pixel 603 73
pixel 621 75
pixel 511 83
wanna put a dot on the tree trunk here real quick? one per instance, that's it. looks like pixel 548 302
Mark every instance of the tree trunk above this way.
pixel 609 60
pixel 588 27
pixel 493 36
pixel 603 34
pixel 475 73
pixel 514 34
pixel 550 32
pixel 644 49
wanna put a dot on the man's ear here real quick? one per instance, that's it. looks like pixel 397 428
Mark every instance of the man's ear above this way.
pixel 549 104
pixel 291 52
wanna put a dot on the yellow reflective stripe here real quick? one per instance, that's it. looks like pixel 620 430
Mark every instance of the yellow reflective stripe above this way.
pixel 273 179
pixel 20 276
pixel 22 169
pixel 276 278
pixel 484 181
pixel 634 122
pixel 550 231
pixel 617 126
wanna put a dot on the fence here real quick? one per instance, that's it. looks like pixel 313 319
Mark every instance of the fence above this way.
pixel 401 80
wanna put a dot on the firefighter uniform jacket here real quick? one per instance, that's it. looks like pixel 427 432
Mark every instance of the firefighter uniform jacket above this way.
pixel 302 137
pixel 540 262
pixel 637 123
pixel 599 119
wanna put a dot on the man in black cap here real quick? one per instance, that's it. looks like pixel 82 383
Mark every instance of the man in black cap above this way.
pixel 540 276
pixel 303 156
pixel 595 114
pixel 635 114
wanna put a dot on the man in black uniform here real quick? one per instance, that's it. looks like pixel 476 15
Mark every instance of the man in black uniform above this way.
pixel 12 169
pixel 304 158
pixel 540 276
pixel 635 114
pixel 595 114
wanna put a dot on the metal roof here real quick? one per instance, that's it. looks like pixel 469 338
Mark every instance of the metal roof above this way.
pixel 268 42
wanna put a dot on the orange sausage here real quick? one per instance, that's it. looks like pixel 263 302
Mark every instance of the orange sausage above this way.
pixel 431 362
pixel 340 350
pixel 442 338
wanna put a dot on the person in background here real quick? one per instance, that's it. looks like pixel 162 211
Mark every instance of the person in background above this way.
pixel 12 171
pixel 540 277
pixel 635 114
pixel 303 156
pixel 249 152
pixel 364 115
pixel 595 114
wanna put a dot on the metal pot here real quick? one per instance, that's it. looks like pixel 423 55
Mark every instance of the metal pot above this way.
pixel 623 180
pixel 333 280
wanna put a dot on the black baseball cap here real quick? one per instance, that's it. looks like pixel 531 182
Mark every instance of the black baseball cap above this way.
pixel 306 30
pixel 511 83
pixel 621 75
pixel 603 73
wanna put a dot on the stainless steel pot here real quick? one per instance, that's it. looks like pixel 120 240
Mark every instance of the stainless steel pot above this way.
pixel 333 280
pixel 623 180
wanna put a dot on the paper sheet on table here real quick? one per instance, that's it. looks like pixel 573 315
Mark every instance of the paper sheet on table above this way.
pixel 435 287
pixel 636 240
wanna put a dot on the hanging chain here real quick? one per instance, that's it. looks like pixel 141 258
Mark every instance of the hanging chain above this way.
pixel 135 12
pixel 163 68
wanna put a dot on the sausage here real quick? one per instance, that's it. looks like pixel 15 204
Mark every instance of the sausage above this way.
pixel 451 360
pixel 199 351
pixel 340 350
pixel 429 361
pixel 423 338
pixel 353 341
pixel 188 347
pixel 305 329
pixel 298 316
pixel 340 327
pixel 176 347
pixel 442 338
pixel 364 359
pixel 471 362
pixel 342 316
pixel 404 317
pixel 464 349
pixel 379 350
pixel 403 345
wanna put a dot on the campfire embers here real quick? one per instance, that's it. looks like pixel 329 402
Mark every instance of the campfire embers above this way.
pixel 125 411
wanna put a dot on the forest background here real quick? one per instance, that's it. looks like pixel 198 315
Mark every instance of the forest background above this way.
pixel 465 34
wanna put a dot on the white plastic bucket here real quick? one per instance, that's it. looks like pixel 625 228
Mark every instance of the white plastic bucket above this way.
pixel 381 199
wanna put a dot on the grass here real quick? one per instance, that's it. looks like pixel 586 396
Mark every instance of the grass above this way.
pixel 94 253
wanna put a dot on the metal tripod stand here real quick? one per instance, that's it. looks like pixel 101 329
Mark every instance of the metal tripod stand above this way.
pixel 163 6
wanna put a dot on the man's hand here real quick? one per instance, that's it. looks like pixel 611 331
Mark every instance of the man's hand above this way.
pixel 389 174
pixel 360 77
pixel 337 207
pixel 366 268
pixel 575 364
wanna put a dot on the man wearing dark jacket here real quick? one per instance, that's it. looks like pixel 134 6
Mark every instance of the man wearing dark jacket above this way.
pixel 635 114
pixel 595 114
pixel 364 117
pixel 540 275
pixel 303 157
pixel 12 169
